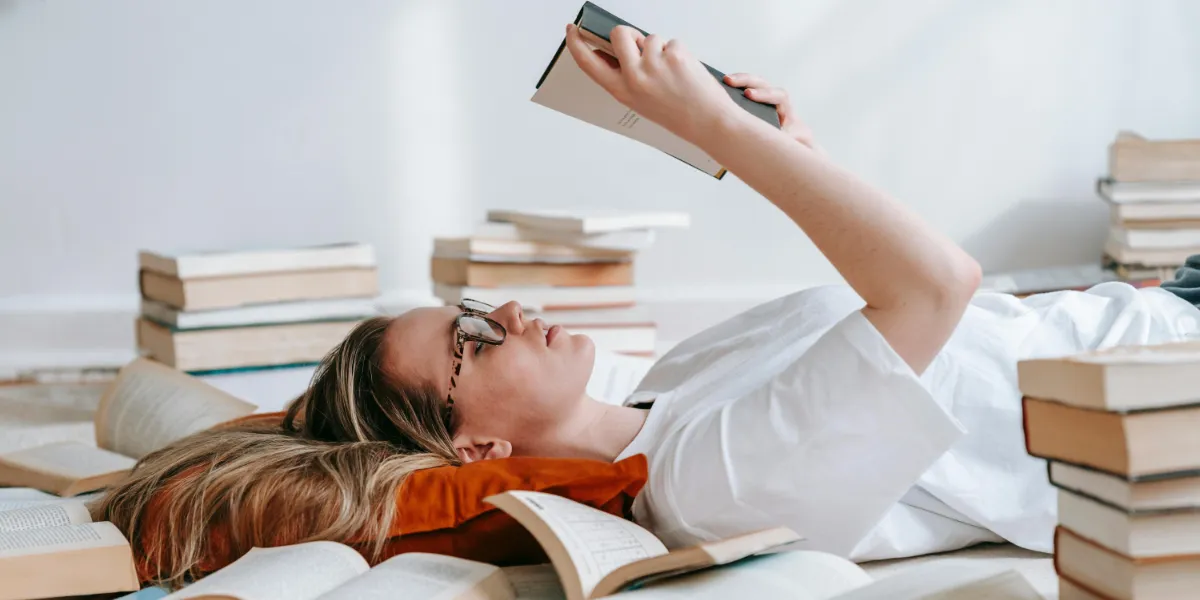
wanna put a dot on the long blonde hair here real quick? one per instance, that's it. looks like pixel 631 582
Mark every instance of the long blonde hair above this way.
pixel 328 472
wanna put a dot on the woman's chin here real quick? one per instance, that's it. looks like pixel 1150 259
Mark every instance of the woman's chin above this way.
pixel 586 348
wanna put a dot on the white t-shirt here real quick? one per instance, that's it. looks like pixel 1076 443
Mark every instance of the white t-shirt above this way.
pixel 799 413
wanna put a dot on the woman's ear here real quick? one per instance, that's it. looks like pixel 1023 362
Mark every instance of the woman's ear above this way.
pixel 471 449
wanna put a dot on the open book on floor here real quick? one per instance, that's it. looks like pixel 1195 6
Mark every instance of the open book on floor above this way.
pixel 594 554
pixel 565 88
pixel 147 407
pixel 54 549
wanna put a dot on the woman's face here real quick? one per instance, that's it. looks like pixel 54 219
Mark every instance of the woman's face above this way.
pixel 504 396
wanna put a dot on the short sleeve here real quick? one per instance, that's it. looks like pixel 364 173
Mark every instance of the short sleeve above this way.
pixel 825 447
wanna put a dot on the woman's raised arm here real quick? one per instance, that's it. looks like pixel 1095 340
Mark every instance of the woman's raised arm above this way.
pixel 915 281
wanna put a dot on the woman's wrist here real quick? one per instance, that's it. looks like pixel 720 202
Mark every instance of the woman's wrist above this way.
pixel 720 128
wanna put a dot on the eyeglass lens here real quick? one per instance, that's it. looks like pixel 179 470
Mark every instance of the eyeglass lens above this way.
pixel 480 327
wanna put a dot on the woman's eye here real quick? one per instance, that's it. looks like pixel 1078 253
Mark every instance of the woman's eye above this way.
pixel 479 348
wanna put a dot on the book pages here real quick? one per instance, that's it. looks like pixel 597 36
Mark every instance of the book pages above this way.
pixel 422 577
pixel 38 414
pixel 799 575
pixel 535 582
pixel 12 498
pixel 25 494
pixel 58 539
pixel 296 572
pixel 151 405
pixel 947 581
pixel 597 542
pixel 47 514
pixel 69 459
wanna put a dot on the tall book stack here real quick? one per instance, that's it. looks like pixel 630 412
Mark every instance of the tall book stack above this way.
pixel 1153 191
pixel 574 270
pixel 221 314
pixel 1121 431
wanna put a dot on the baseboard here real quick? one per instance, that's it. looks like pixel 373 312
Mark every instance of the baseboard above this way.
pixel 81 330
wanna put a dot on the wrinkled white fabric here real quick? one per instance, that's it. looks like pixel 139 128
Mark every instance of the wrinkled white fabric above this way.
pixel 799 413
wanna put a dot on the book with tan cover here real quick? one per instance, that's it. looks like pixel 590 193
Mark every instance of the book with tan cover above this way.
pixel 1117 378
pixel 208 293
pixel 148 406
pixel 54 549
pixel 222 348
pixel 493 274
pixel 1132 157
pixel 1137 445
pixel 1094 571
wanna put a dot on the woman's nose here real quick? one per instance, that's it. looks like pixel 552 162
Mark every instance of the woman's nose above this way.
pixel 511 317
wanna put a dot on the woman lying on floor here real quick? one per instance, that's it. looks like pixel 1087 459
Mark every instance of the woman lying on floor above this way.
pixel 880 419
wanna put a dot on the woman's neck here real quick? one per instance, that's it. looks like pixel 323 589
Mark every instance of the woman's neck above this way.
pixel 595 430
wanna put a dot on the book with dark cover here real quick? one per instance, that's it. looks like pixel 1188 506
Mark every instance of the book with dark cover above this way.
pixel 574 94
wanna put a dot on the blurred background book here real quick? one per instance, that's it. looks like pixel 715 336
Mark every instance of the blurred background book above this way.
pixel 571 268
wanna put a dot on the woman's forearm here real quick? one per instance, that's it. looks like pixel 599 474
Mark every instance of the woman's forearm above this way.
pixel 916 282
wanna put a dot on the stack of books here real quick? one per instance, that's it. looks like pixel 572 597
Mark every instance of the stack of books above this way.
pixel 1121 430
pixel 574 270
pixel 215 312
pixel 1153 191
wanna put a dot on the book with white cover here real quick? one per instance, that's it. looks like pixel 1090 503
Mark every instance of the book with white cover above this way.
pixel 194 265
pixel 541 298
pixel 627 240
pixel 1122 192
pixel 1153 211
pixel 1134 496
pixel 1155 239
pixel 1153 257
pixel 337 309
pixel 590 221
pixel 1138 534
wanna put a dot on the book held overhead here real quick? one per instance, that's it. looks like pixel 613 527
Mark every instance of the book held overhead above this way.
pixel 565 88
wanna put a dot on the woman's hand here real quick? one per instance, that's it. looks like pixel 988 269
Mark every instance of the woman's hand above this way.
pixel 757 89
pixel 658 79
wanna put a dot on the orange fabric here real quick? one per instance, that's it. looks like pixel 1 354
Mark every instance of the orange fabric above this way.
pixel 440 510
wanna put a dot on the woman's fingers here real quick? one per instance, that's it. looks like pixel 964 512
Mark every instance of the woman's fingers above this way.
pixel 652 47
pixel 746 80
pixel 625 44
pixel 600 70
pixel 776 96
pixel 768 95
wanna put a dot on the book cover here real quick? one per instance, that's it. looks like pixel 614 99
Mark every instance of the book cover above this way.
pixel 565 88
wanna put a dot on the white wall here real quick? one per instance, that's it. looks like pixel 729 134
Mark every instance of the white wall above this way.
pixel 140 123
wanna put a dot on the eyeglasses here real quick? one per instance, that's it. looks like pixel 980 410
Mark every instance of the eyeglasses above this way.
pixel 472 325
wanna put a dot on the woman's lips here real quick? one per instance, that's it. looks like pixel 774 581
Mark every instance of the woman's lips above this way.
pixel 553 333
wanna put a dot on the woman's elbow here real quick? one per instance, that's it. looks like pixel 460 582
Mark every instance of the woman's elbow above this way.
pixel 958 283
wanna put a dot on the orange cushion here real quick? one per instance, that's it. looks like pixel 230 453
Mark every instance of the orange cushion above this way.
pixel 441 510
